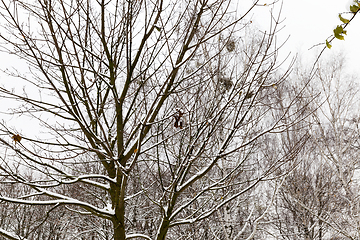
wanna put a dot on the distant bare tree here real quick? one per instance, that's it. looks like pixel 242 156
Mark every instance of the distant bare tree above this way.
pixel 319 199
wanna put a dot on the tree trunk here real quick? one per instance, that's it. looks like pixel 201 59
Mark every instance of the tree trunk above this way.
pixel 119 219
pixel 163 229
pixel 119 230
pixel 161 235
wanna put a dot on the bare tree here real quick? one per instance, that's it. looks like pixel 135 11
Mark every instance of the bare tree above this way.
pixel 336 135
pixel 155 115
pixel 319 199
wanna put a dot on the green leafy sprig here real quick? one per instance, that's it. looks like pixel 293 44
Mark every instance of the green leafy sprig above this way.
pixel 339 31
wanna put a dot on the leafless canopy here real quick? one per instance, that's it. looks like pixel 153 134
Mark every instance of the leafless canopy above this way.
pixel 155 116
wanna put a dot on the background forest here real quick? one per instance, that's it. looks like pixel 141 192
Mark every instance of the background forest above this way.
pixel 172 120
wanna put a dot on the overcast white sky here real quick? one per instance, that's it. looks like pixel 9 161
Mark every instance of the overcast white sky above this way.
pixel 307 22
pixel 310 22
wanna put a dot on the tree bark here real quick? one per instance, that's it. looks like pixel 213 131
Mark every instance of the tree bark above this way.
pixel 119 203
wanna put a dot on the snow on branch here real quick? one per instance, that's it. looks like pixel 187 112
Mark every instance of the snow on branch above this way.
pixel 10 235
pixel 61 199
pixel 137 235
